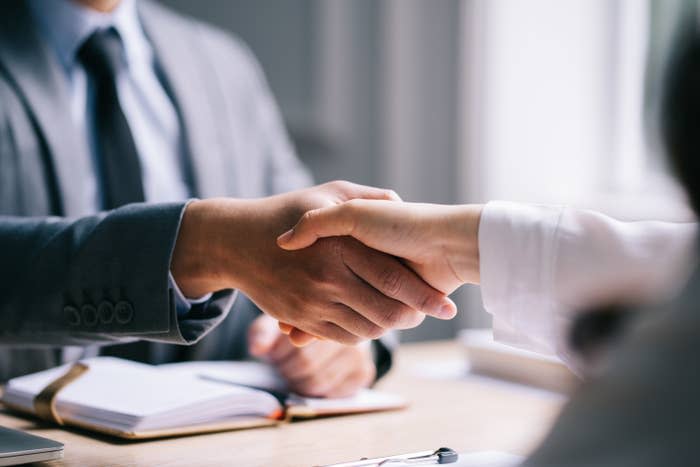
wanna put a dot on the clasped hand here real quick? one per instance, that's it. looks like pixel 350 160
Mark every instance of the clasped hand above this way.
pixel 438 242
pixel 338 288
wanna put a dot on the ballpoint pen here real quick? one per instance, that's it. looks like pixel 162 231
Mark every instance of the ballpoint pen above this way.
pixel 439 456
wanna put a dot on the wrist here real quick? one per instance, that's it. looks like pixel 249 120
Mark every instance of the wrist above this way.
pixel 200 258
pixel 462 242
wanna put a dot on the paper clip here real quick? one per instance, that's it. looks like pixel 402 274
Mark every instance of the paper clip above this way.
pixel 440 456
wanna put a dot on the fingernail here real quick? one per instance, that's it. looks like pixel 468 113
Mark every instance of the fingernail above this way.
pixel 285 237
pixel 447 311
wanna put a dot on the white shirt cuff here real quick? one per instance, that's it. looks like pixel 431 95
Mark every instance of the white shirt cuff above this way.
pixel 516 255
pixel 542 265
pixel 182 303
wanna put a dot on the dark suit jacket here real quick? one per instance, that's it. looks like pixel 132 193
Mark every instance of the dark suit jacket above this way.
pixel 81 277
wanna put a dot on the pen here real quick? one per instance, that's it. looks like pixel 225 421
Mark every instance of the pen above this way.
pixel 439 456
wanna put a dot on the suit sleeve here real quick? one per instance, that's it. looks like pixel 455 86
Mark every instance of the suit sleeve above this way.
pixel 96 279
pixel 539 265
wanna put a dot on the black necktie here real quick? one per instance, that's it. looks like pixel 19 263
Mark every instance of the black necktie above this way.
pixel 120 171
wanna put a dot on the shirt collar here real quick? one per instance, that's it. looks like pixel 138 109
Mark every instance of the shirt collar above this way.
pixel 67 24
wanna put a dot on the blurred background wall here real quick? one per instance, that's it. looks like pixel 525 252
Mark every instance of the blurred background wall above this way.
pixel 455 101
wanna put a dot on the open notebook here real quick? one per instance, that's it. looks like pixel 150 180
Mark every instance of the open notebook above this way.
pixel 135 400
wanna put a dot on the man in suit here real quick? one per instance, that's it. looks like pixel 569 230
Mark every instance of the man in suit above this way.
pixel 105 103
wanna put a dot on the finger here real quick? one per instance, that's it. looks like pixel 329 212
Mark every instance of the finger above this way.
pixel 262 335
pixel 334 332
pixel 350 385
pixel 353 191
pixel 299 338
pixel 309 360
pixel 281 350
pixel 396 281
pixel 382 311
pixel 331 221
pixel 320 383
pixel 355 320
pixel 300 335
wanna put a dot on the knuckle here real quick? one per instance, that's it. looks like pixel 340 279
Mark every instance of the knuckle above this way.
pixel 315 381
pixel 392 282
pixel 307 217
pixel 391 194
pixel 415 319
pixel 425 302
pixel 336 248
pixel 375 332
pixel 391 318
pixel 347 338
pixel 339 185
pixel 368 373
pixel 353 204
pixel 353 340
pixel 303 360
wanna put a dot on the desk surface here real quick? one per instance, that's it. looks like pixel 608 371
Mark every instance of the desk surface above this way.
pixel 464 413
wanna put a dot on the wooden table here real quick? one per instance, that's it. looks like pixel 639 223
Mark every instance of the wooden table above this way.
pixel 464 413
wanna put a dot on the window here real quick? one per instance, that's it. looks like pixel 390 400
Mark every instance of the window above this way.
pixel 560 96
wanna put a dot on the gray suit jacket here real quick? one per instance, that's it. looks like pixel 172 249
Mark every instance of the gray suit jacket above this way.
pixel 80 277
pixel 644 409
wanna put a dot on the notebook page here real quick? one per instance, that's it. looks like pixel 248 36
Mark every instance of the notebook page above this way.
pixel 128 393
pixel 364 400
pixel 251 374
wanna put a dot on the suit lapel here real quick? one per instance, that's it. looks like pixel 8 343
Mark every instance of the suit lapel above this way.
pixel 35 72
pixel 181 63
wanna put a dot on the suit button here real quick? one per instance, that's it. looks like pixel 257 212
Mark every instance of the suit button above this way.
pixel 72 315
pixel 124 312
pixel 105 312
pixel 89 313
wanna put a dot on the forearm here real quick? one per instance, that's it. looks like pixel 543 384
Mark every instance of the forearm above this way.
pixel 98 278
pixel 542 264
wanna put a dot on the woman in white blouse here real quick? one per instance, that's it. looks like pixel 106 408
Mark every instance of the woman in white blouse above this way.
pixel 537 265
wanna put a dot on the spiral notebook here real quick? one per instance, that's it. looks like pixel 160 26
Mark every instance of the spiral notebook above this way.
pixel 135 400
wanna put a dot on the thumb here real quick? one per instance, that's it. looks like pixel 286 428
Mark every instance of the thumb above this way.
pixel 262 335
pixel 325 222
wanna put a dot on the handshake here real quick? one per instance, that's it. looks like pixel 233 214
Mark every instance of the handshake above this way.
pixel 356 262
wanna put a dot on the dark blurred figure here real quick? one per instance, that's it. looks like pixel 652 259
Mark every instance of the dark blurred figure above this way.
pixel 643 410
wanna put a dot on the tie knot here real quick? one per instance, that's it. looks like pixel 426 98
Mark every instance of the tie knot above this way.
pixel 102 53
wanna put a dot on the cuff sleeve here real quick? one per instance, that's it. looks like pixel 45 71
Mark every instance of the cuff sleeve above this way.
pixel 516 251
pixel 541 265
pixel 182 303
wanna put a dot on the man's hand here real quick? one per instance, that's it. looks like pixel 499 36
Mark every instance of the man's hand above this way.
pixel 337 289
pixel 438 242
pixel 321 369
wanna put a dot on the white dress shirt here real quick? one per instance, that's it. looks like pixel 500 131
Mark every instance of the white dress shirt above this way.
pixel 540 265
pixel 151 115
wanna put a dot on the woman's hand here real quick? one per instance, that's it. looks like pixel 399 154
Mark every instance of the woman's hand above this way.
pixel 439 242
